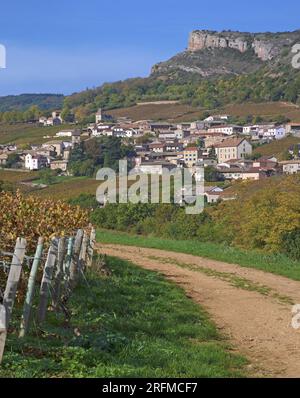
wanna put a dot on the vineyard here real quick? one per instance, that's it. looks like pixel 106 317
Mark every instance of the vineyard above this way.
pixel 45 247
pixel 30 218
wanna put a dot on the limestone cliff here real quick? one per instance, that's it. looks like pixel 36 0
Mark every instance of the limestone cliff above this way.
pixel 265 45
pixel 212 54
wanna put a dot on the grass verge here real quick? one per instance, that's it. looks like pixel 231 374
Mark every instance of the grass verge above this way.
pixel 273 263
pixel 132 324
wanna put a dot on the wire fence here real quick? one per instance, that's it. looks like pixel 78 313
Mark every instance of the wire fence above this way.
pixel 48 277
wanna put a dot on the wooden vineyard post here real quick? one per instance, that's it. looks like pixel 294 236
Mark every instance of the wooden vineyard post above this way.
pixel 91 247
pixel 83 252
pixel 3 330
pixel 30 290
pixel 59 272
pixel 46 282
pixel 75 259
pixel 11 290
pixel 67 263
pixel 14 277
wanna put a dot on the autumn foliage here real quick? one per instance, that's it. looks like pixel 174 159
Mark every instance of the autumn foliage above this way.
pixel 31 217
pixel 263 216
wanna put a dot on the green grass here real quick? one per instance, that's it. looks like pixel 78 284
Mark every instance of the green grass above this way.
pixel 274 263
pixel 132 324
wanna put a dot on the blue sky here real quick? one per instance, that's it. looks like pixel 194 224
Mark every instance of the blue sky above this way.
pixel 66 46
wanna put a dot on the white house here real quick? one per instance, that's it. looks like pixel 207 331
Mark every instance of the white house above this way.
pixel 291 166
pixel 155 167
pixel 67 133
pixel 216 118
pixel 226 129
pixel 212 194
pixel 35 162
pixel 276 132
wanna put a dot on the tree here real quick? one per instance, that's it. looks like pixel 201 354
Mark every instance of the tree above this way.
pixel 212 175
pixel 12 160
pixel 67 115
pixel 212 153
pixel 46 176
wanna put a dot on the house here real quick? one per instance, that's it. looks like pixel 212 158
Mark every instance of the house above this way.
pixel 43 120
pixel 3 159
pixel 251 129
pixel 216 118
pixel 172 157
pixel 254 173
pixel 119 131
pixel 66 133
pixel 239 171
pixel 155 167
pixel 206 162
pixel 266 164
pixel 276 132
pixel 57 146
pixel 191 140
pixel 226 129
pixel 59 165
pixel 191 156
pixel 212 140
pixel 47 152
pixel 161 127
pixel 167 135
pixel 293 128
pixel 174 147
pixel 55 120
pixel 212 194
pixel 157 147
pixel 181 134
pixel 35 162
pixel 290 166
pixel 233 148
pixel 73 134
pixel 236 173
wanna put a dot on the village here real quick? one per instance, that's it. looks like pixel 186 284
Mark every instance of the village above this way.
pixel 225 150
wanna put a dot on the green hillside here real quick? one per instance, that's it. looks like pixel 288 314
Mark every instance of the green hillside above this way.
pixel 25 101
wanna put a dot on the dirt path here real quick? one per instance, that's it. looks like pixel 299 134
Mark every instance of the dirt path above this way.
pixel 251 307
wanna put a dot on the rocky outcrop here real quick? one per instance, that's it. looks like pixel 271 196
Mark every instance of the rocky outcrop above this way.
pixel 265 46
pixel 200 40
pixel 211 54
pixel 264 50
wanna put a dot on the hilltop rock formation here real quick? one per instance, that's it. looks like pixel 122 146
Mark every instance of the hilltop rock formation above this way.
pixel 265 45
pixel 212 53
pixel 200 40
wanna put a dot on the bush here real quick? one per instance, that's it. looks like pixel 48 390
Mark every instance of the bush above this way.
pixel 291 244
